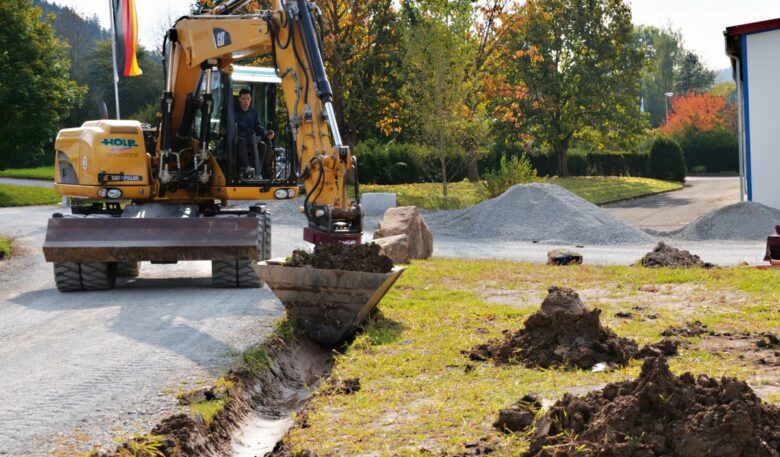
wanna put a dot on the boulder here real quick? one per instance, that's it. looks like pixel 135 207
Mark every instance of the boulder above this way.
pixel 396 247
pixel 563 257
pixel 407 220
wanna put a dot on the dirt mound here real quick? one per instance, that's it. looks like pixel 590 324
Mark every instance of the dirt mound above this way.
pixel 666 256
pixel 740 221
pixel 356 257
pixel 537 212
pixel 561 333
pixel 660 414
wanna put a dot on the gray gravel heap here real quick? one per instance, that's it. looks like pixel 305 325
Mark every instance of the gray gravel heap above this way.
pixel 740 221
pixel 544 213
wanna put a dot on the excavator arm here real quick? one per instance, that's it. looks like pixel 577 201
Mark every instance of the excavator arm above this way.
pixel 200 45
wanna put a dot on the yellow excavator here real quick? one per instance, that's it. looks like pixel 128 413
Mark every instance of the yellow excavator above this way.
pixel 160 194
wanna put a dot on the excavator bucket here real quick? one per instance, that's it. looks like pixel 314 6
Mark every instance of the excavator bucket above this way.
pixel 773 247
pixel 327 305
pixel 116 239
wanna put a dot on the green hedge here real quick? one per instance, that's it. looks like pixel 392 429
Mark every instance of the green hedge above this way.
pixel 392 163
pixel 713 152
pixel 581 162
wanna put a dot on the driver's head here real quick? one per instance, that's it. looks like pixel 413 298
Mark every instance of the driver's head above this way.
pixel 245 99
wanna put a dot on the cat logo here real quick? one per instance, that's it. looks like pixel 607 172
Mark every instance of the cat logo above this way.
pixel 221 38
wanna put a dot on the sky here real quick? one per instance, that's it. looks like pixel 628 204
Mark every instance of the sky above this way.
pixel 701 22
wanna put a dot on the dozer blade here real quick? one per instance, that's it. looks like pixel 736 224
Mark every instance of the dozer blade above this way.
pixel 156 239
pixel 328 305
pixel 773 247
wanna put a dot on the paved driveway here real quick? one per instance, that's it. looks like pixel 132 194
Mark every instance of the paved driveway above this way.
pixel 672 210
pixel 26 182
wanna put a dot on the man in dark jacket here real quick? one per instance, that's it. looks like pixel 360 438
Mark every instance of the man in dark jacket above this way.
pixel 249 130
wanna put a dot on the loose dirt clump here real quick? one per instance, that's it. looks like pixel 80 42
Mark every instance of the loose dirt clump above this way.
pixel 520 416
pixel 667 256
pixel 660 414
pixel 688 330
pixel 563 332
pixel 355 257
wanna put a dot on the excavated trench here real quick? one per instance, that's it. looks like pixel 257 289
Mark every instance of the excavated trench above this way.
pixel 257 411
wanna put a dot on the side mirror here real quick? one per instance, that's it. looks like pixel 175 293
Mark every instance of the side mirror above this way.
pixel 102 109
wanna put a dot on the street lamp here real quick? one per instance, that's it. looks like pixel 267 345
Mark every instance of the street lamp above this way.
pixel 666 102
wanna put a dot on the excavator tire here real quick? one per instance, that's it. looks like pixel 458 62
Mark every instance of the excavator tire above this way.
pixel 74 276
pixel 239 273
pixel 128 269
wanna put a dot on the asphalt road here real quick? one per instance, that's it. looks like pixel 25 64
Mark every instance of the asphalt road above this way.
pixel 672 210
pixel 83 368
pixel 26 182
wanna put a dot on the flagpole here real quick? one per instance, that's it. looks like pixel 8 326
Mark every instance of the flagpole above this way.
pixel 113 57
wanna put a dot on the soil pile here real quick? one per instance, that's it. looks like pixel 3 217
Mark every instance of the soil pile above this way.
pixel 563 332
pixel 740 221
pixel 354 257
pixel 661 414
pixel 537 212
pixel 666 256
pixel 520 416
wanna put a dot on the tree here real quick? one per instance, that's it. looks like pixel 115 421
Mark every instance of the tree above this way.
pixel 36 91
pixel 134 93
pixel 581 70
pixel 362 49
pixel 436 56
pixel 670 68
pixel 692 75
pixel 702 112
pixel 662 50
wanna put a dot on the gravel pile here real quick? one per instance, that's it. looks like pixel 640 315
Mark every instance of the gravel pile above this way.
pixel 543 213
pixel 740 221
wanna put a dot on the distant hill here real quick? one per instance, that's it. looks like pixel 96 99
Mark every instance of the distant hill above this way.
pixel 723 75
pixel 82 34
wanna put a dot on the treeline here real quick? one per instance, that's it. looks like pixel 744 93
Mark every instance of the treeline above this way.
pixel 56 67
pixel 451 86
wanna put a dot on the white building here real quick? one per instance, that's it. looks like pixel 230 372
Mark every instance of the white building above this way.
pixel 754 50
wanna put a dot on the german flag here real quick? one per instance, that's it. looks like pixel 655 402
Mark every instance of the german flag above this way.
pixel 126 35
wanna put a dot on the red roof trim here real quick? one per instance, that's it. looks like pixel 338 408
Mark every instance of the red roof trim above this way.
pixel 754 27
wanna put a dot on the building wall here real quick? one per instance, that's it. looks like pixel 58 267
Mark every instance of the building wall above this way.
pixel 761 62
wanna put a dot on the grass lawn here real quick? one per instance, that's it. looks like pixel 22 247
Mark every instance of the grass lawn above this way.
pixel 43 173
pixel 5 247
pixel 420 395
pixel 26 195
pixel 463 194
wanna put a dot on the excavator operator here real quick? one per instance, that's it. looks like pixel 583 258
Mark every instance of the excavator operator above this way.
pixel 251 136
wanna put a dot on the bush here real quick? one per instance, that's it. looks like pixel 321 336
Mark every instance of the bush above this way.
pixel 716 150
pixel 666 160
pixel 513 171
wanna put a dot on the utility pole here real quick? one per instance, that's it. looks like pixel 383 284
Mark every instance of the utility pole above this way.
pixel 666 103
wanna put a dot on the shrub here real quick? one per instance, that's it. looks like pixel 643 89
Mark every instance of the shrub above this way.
pixel 666 160
pixel 510 172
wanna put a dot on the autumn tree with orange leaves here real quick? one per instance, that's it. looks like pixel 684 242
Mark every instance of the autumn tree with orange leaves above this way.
pixel 700 111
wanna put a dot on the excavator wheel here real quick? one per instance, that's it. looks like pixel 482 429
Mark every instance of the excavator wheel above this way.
pixel 128 269
pixel 239 273
pixel 74 276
